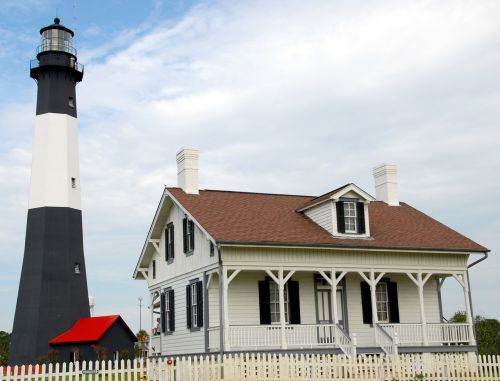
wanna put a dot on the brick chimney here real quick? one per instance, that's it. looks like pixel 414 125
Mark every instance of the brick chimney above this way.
pixel 386 183
pixel 187 170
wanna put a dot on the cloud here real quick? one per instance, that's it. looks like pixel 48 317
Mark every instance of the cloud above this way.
pixel 292 99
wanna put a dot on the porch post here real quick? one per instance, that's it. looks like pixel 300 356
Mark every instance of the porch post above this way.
pixel 373 287
pixel 333 284
pixel 227 344
pixel 281 288
pixel 422 308
pixel 468 308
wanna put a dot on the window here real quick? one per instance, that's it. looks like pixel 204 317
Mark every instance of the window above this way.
pixel 168 311
pixel 71 102
pixel 269 307
pixel 386 299
pixel 350 217
pixel 169 242
pixel 194 304
pixel 188 233
pixel 77 268
pixel 73 183
pixel 154 269
pixel 212 249
pixel 274 303
pixel 382 298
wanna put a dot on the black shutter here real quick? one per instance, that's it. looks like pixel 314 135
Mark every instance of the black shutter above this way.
pixel 199 302
pixel 166 243
pixel 188 306
pixel 265 309
pixel 360 212
pixel 392 291
pixel 172 235
pixel 184 223
pixel 293 301
pixel 366 303
pixel 191 237
pixel 340 217
pixel 171 301
pixel 162 311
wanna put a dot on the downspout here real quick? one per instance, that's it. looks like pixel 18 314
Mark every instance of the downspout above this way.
pixel 470 294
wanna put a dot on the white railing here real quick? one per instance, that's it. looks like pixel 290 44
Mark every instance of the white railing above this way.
pixel 449 333
pixel 155 345
pixel 296 336
pixel 254 336
pixel 437 333
pixel 384 340
pixel 408 333
pixel 214 338
pixel 344 342
pixel 310 335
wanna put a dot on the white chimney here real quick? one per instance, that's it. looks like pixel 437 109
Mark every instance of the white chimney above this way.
pixel 386 183
pixel 187 170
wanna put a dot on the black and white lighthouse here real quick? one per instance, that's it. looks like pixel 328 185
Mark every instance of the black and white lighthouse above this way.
pixel 53 291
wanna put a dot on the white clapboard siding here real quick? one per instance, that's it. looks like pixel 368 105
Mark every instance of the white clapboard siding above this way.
pixel 271 366
pixel 322 215
pixel 181 264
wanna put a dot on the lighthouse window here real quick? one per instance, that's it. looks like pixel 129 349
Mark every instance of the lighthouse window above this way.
pixel 71 102
pixel 77 268
pixel 73 183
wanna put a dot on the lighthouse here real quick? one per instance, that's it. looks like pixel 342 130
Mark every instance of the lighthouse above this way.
pixel 53 291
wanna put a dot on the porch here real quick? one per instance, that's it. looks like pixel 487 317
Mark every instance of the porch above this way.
pixel 344 328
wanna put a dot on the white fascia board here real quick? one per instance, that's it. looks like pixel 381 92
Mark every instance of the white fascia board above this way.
pixel 147 241
pixel 377 249
pixel 354 188
pixel 351 187
pixel 149 238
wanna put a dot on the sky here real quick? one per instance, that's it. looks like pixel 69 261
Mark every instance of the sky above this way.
pixel 288 96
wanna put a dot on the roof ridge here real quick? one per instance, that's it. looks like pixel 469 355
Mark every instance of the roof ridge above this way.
pixel 249 192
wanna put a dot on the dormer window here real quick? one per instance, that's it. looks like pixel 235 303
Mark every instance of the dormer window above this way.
pixel 350 217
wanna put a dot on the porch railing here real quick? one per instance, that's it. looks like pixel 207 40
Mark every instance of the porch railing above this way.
pixel 449 333
pixel 214 338
pixel 408 333
pixel 385 341
pixel 437 333
pixel 296 336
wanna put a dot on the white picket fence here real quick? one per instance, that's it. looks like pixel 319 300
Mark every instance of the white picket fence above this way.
pixel 260 366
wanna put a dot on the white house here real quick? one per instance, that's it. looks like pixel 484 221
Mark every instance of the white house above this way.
pixel 241 271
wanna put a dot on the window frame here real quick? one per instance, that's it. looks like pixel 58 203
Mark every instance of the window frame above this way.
pixel 350 219
pixel 381 302
pixel 274 294
pixel 170 242
pixel 188 235
pixel 193 309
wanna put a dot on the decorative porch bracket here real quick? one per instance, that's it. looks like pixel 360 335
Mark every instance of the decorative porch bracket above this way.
pixel 281 281
pixel 333 280
pixel 420 283
pixel 463 279
pixel 156 245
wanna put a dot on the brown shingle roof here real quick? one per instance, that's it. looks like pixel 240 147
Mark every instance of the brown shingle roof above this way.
pixel 258 218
